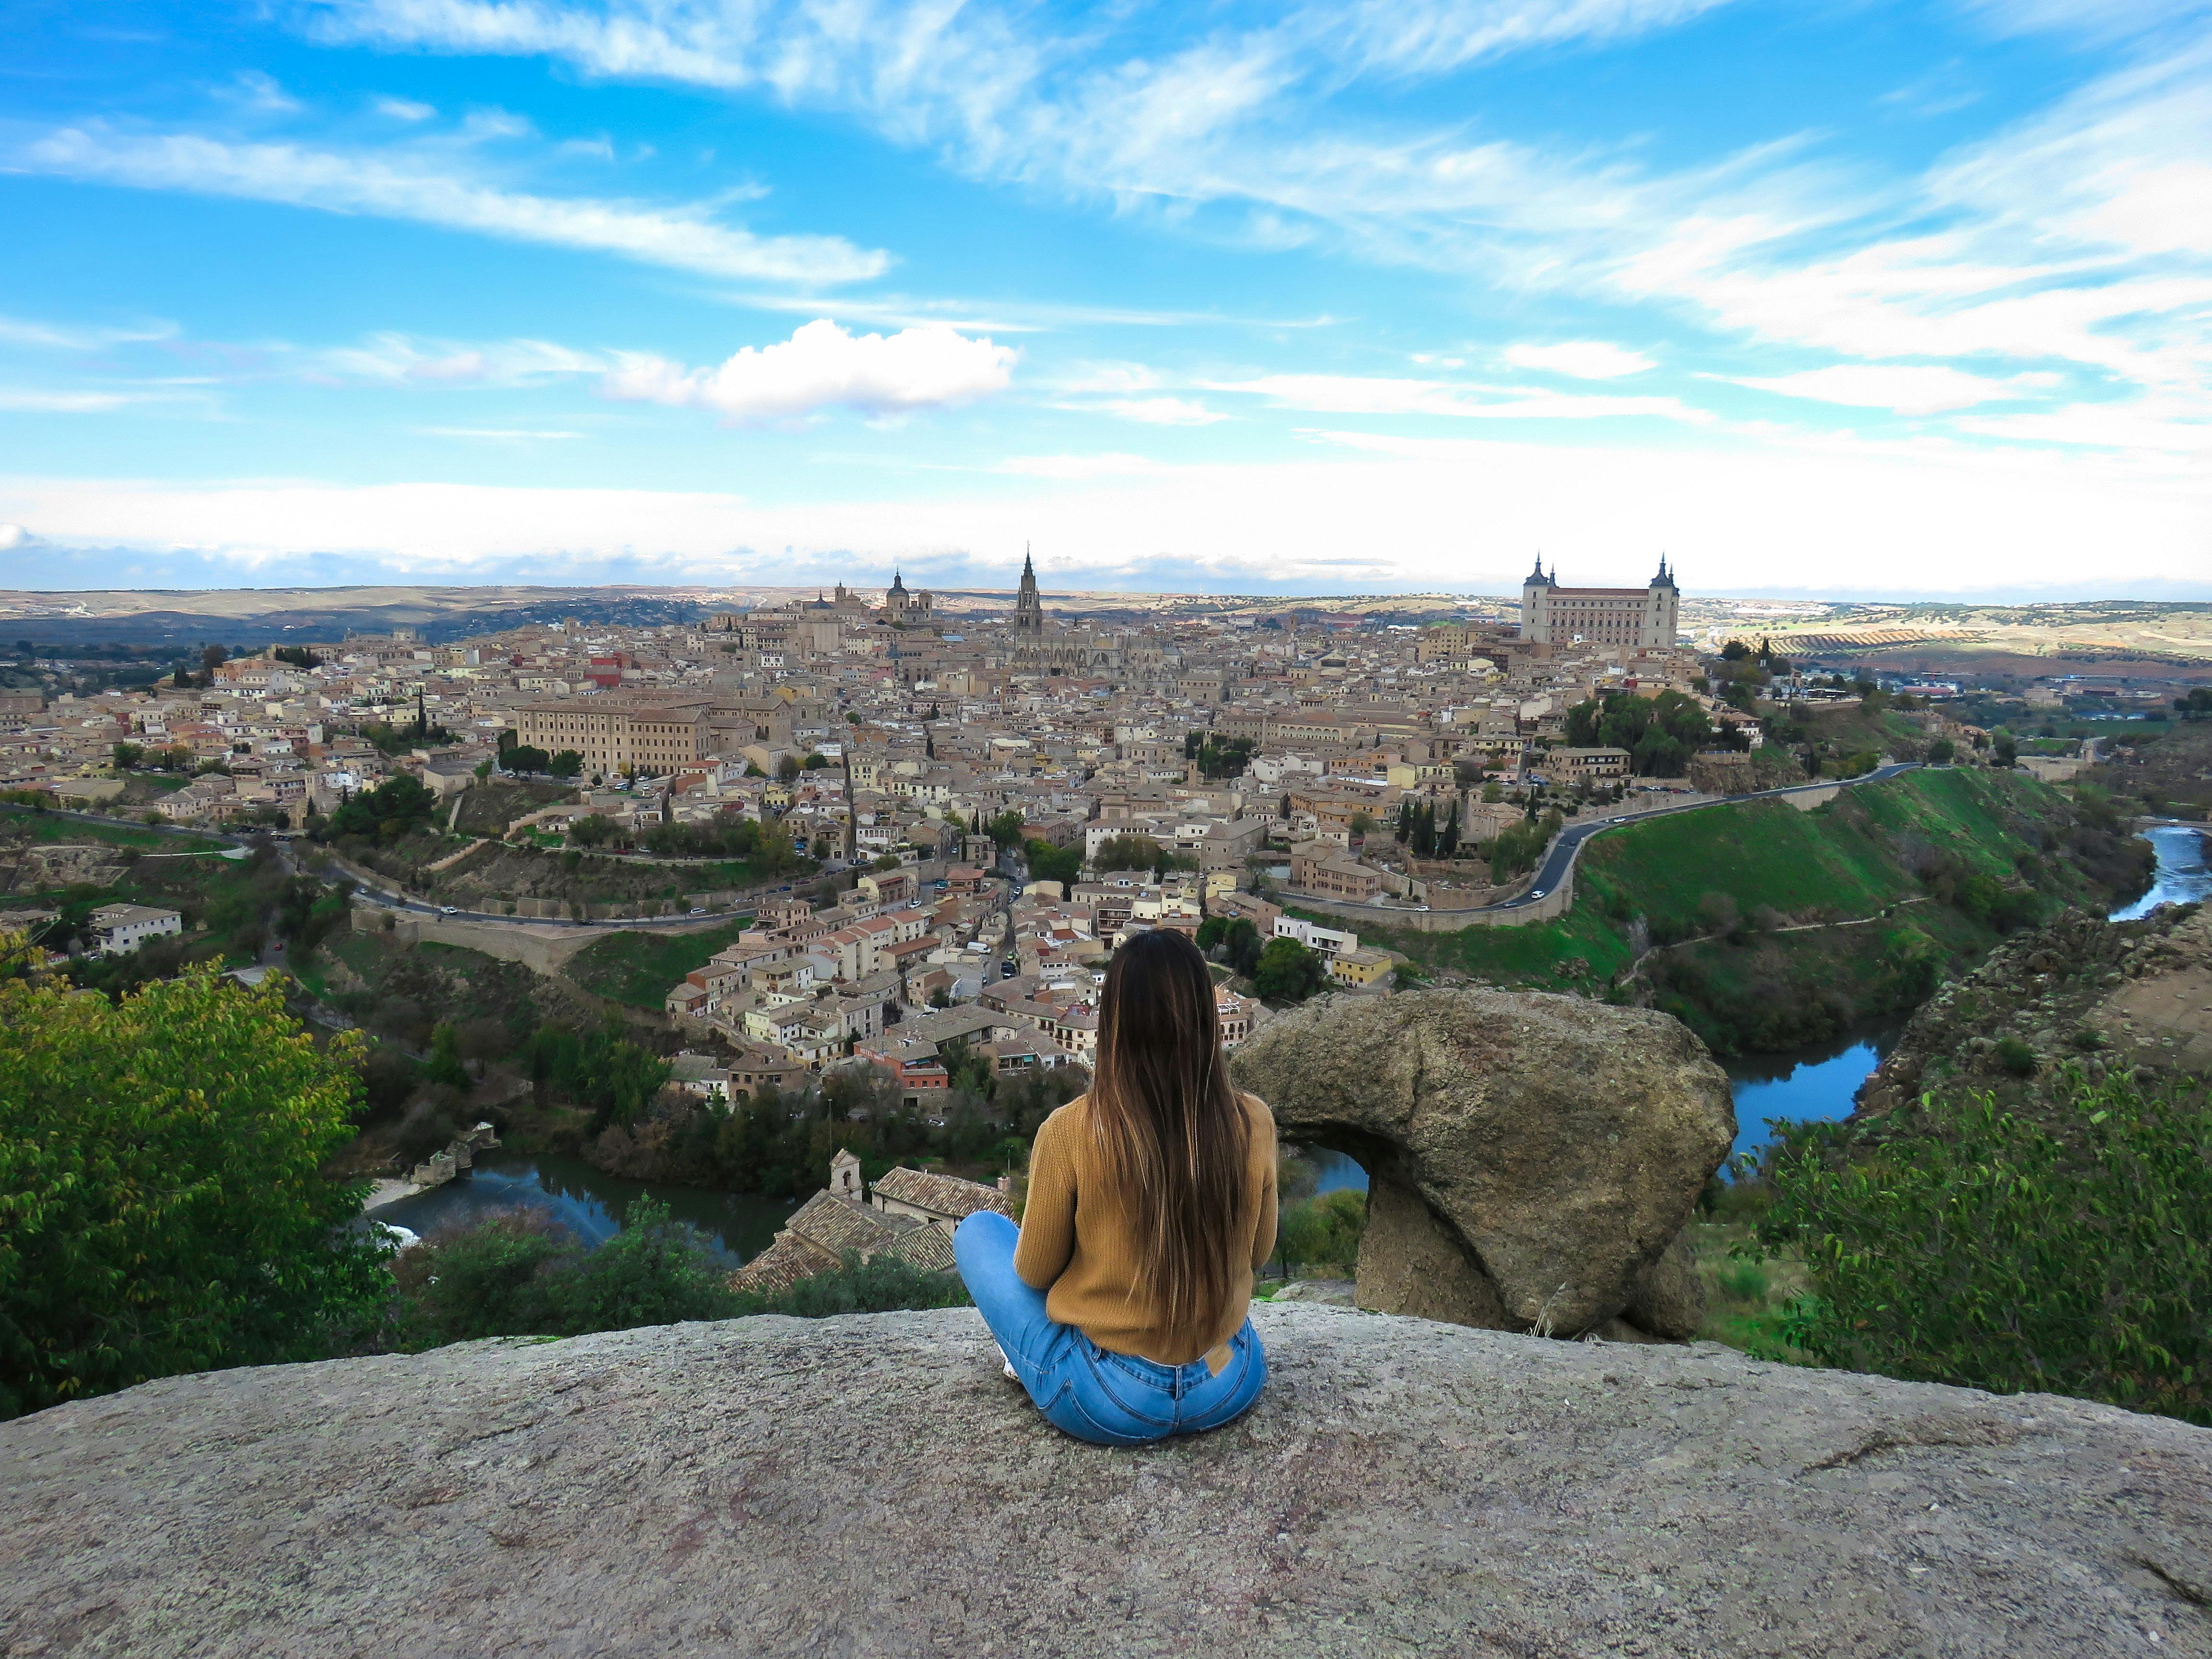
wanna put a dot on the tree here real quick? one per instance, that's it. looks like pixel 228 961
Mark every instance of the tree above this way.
pixel 565 764
pixel 212 657
pixel 787 769
pixel 1005 829
pixel 527 758
pixel 1967 1245
pixel 2196 705
pixel 388 811
pixel 127 756
pixel 445 1065
pixel 815 761
pixel 1942 752
pixel 1241 945
pixel 1288 972
pixel 1051 863
pixel 158 1175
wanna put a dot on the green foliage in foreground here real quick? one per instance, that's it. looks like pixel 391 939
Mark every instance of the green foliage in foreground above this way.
pixel 160 1206
pixel 520 1273
pixel 1321 1232
pixel 1969 1246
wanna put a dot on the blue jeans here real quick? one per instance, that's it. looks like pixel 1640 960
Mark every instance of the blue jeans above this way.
pixel 1107 1399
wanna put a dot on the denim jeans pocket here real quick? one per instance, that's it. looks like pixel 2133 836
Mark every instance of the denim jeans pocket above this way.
pixel 1071 1416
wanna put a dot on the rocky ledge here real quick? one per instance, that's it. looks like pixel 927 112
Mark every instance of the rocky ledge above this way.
pixel 870 1485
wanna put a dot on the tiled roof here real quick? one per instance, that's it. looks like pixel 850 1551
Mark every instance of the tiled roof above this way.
pixel 942 1195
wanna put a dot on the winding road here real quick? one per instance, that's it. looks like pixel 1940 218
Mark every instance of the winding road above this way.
pixel 1561 857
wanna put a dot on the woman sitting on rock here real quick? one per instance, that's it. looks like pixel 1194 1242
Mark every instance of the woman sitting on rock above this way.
pixel 1121 1304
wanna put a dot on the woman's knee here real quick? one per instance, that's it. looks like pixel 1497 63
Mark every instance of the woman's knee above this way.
pixel 986 1235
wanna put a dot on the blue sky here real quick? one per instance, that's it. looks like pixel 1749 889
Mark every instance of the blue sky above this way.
pixel 1851 298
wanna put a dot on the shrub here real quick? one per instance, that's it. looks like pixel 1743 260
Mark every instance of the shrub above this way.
pixel 2015 1056
pixel 1964 1244
pixel 1322 1232
pixel 160 1207
pixel 883 1285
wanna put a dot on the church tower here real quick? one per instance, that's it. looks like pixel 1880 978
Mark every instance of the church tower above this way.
pixel 1028 608
pixel 1662 601
pixel 1536 603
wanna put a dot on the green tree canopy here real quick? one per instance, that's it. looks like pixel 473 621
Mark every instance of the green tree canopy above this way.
pixel 1661 733
pixel 1288 972
pixel 388 811
pixel 160 1207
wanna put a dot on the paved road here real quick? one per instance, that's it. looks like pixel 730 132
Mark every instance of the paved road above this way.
pixel 218 835
pixel 1561 858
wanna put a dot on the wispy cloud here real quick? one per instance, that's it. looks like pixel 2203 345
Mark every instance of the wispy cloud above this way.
pixel 35 400
pixel 1904 388
pixel 1355 394
pixel 70 337
pixel 401 359
pixel 506 433
pixel 402 185
pixel 1585 360
pixel 404 109
pixel 259 94
pixel 1163 411
pixel 820 367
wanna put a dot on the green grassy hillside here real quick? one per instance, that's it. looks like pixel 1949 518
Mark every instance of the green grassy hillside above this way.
pixel 1745 903
pixel 642 969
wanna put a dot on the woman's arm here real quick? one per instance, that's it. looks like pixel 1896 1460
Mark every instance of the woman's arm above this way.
pixel 1048 1239
pixel 1263 1231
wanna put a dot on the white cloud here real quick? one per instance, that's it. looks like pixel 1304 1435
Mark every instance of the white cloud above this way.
pixel 31 400
pixel 1585 360
pixel 509 434
pixel 1111 465
pixel 400 359
pixel 400 185
pixel 404 109
pixel 259 93
pixel 1359 394
pixel 1928 516
pixel 13 536
pixel 65 336
pixel 822 366
pixel 1164 411
pixel 1908 389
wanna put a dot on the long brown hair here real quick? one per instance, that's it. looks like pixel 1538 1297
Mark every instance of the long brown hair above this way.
pixel 1172 1129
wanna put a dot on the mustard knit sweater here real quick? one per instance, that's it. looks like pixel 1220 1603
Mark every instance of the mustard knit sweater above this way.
pixel 1078 1245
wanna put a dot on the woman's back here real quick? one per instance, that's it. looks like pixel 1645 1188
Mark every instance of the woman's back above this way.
pixel 1122 1305
pixel 1081 1239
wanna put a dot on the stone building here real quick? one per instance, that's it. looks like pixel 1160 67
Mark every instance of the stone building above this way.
pixel 1642 618
pixel 654 735
pixel 911 1219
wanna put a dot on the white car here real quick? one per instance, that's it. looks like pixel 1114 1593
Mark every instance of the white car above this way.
pixel 449 909
pixel 1539 892
pixel 698 909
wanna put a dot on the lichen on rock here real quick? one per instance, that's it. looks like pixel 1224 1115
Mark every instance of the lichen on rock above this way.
pixel 870 1485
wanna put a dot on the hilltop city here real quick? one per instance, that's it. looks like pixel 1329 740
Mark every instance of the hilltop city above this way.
pixel 947 824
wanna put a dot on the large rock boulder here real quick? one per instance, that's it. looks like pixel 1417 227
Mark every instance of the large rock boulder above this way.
pixel 870 1485
pixel 1530 1158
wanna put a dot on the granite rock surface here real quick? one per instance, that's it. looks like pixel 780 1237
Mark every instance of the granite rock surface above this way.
pixel 1530 1158
pixel 870 1485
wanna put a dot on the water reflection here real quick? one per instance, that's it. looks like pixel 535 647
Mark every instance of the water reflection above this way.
pixel 1337 1172
pixel 589 1202
pixel 1816 1084
pixel 2183 877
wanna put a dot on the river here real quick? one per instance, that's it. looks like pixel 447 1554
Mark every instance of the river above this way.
pixel 2182 876
pixel 590 1202
pixel 1799 1086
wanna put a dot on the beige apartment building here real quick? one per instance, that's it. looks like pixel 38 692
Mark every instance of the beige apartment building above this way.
pixel 649 735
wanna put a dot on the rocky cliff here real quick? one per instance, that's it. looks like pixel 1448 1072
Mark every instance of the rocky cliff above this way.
pixel 870 1485
pixel 2107 997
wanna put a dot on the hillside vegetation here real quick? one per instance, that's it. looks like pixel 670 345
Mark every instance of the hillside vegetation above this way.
pixel 1762 926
